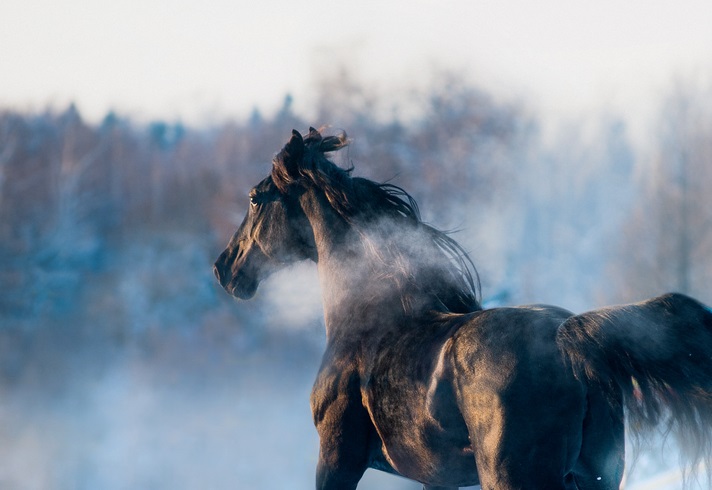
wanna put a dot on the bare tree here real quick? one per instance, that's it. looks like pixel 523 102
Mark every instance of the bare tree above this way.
pixel 668 239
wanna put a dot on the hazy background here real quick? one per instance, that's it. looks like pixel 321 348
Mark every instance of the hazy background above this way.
pixel 570 143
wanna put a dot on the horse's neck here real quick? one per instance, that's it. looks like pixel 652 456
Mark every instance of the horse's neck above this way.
pixel 355 296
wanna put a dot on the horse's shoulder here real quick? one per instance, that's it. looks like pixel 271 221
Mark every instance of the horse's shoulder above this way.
pixel 334 392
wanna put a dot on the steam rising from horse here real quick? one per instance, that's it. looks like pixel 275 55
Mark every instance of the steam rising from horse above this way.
pixel 419 380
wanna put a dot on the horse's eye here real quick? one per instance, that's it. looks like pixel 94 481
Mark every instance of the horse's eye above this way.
pixel 254 197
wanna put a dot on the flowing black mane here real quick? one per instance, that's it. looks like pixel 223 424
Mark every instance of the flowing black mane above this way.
pixel 416 254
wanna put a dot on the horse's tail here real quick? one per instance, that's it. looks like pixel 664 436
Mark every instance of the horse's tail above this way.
pixel 658 355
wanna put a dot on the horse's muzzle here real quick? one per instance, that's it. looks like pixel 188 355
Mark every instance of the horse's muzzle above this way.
pixel 242 283
pixel 221 270
pixel 216 271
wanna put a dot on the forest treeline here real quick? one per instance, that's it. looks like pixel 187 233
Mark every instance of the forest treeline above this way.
pixel 112 226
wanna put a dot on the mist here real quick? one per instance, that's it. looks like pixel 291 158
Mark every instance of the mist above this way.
pixel 123 364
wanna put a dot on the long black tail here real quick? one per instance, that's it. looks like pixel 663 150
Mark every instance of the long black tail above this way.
pixel 658 353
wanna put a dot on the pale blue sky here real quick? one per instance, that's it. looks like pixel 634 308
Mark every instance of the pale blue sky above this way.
pixel 195 60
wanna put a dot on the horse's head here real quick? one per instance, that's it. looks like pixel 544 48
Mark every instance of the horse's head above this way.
pixel 275 231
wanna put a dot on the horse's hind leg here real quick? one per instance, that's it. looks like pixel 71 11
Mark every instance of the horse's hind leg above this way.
pixel 601 461
pixel 523 445
pixel 509 458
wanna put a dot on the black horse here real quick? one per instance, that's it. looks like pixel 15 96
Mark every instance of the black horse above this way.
pixel 419 380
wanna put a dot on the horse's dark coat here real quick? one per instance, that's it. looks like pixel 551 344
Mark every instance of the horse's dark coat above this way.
pixel 418 380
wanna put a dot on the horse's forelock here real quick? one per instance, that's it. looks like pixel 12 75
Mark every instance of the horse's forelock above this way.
pixel 334 143
pixel 325 144
pixel 306 159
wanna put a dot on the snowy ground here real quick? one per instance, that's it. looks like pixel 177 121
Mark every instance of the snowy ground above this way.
pixel 177 422
pixel 147 423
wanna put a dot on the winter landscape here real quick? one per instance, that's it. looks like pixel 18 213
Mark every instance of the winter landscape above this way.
pixel 123 364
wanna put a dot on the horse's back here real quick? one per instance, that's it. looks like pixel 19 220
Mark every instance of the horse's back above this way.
pixel 516 340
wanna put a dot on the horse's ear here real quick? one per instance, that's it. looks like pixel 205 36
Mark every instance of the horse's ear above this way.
pixel 285 166
pixel 295 143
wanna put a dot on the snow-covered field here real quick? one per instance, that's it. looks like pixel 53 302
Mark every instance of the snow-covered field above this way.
pixel 180 422
pixel 154 424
